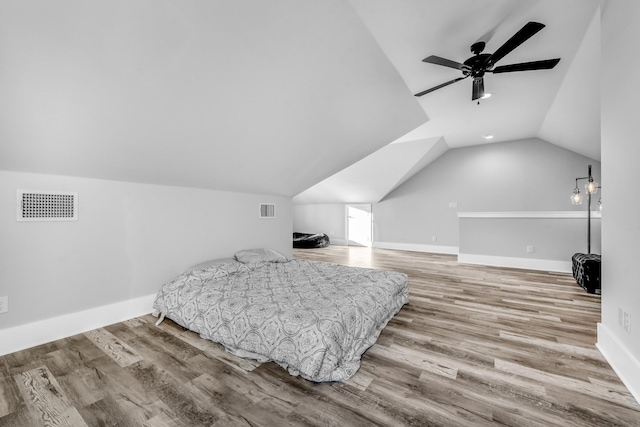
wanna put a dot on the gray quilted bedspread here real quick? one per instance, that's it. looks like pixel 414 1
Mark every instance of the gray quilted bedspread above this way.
pixel 315 319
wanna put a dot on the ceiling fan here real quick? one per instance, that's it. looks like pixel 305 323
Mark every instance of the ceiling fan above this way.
pixel 482 63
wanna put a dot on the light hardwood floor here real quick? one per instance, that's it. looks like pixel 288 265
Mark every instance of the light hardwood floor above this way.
pixel 475 346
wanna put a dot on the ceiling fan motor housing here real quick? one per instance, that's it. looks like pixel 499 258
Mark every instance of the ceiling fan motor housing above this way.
pixel 476 65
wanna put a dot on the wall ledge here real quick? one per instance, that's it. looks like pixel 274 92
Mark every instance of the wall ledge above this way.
pixel 43 331
pixel 534 214
pixel 625 364
pixel 435 249
pixel 512 262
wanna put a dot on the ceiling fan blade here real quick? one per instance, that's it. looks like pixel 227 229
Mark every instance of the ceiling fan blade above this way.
pixel 442 61
pixel 529 29
pixel 547 64
pixel 424 92
pixel 478 88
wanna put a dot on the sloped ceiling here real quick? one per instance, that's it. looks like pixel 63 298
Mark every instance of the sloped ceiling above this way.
pixel 371 178
pixel 560 106
pixel 410 30
pixel 573 120
pixel 276 97
pixel 243 95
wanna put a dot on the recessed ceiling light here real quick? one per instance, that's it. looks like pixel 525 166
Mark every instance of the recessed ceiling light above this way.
pixel 487 136
pixel 486 95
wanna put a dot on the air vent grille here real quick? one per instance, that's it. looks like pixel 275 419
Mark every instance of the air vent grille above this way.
pixel 47 206
pixel 267 210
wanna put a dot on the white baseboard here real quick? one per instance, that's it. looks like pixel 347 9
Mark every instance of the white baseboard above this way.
pixel 44 331
pixel 339 242
pixel 625 364
pixel 435 249
pixel 526 263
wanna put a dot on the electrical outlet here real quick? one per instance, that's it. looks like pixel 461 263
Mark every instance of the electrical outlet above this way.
pixel 627 322
pixel 4 304
pixel 529 249
pixel 434 238
pixel 624 320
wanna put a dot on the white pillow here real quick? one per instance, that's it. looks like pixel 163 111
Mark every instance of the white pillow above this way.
pixel 252 256
pixel 210 263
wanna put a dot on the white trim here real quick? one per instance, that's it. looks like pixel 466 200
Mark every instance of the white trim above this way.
pixel 625 364
pixel 511 262
pixel 338 242
pixel 539 214
pixel 436 249
pixel 44 331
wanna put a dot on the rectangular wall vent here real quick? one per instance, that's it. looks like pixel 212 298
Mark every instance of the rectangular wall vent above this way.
pixel 47 206
pixel 267 210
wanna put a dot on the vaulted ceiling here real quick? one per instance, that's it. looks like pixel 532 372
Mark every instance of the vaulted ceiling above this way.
pixel 276 97
pixel 244 95
pixel 560 106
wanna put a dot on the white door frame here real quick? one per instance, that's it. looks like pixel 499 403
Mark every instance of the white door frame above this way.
pixel 366 207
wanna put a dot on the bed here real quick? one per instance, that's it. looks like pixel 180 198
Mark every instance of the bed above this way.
pixel 314 319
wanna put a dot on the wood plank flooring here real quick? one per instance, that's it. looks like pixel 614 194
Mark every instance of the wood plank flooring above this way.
pixel 475 346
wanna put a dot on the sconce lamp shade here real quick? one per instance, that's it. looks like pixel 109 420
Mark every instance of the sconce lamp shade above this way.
pixel 576 197
pixel 591 187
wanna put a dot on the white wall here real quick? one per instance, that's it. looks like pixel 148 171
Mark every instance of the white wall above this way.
pixel 128 241
pixel 620 89
pixel 503 239
pixel 322 218
pixel 517 176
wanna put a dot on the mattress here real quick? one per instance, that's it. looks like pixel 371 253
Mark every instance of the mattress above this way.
pixel 315 319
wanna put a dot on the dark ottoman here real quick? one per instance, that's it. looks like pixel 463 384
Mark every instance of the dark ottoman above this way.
pixel 586 271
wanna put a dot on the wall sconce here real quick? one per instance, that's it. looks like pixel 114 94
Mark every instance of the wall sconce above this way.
pixel 591 187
